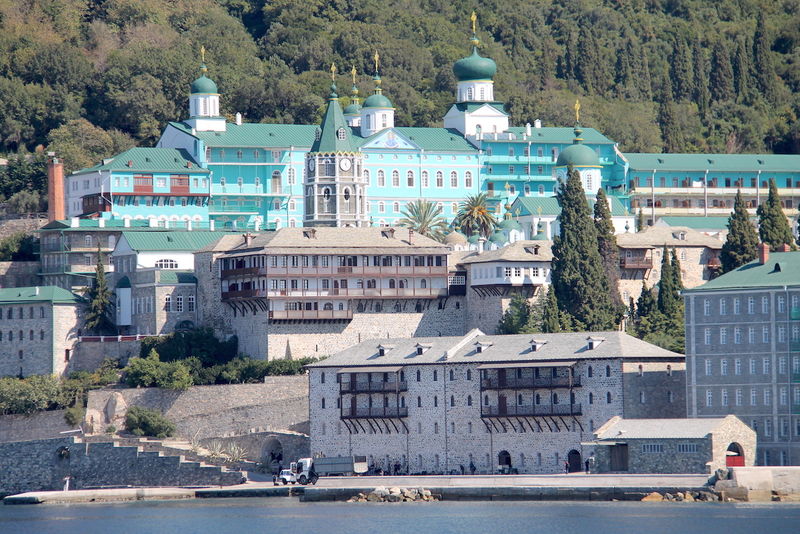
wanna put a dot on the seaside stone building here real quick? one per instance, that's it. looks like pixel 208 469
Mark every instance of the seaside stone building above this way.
pixel 518 402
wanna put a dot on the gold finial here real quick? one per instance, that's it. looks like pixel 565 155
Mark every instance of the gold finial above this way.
pixel 507 186
pixel 333 72
pixel 577 110
pixel 539 211
pixel 474 19
pixel 353 74
pixel 377 59
pixel 203 54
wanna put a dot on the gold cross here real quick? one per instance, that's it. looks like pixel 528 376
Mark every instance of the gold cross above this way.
pixel 203 54
pixel 507 186
pixel 333 72
pixel 377 59
pixel 353 73
pixel 577 111
pixel 539 211
pixel 474 19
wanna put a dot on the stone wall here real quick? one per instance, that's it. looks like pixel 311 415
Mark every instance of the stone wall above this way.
pixel 19 274
pixel 40 425
pixel 41 465
pixel 279 404
pixel 658 389
pixel 487 304
pixel 272 449
pixel 667 461
pixel 88 355
pixel 694 272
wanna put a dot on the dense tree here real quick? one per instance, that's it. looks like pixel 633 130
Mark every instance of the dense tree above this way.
pixel 702 96
pixel 762 58
pixel 474 217
pixel 516 316
pixel 668 302
pixel 742 241
pixel 667 117
pixel 721 79
pixel 551 316
pixel 773 226
pixel 424 217
pixel 99 318
pixel 81 144
pixel 681 71
pixel 607 244
pixel 646 304
pixel 579 281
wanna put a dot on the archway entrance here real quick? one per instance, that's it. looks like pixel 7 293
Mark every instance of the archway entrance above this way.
pixel 272 454
pixel 734 456
pixel 574 460
pixel 504 462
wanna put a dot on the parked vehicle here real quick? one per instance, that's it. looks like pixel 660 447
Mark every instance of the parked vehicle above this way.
pixel 308 470
pixel 286 476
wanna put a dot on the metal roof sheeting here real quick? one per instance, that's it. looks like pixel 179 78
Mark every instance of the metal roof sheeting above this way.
pixel 732 163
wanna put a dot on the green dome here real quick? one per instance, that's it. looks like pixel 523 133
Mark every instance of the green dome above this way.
pixel 578 155
pixel 377 101
pixel 474 67
pixel 203 84
pixel 473 239
pixel 510 224
pixel 352 109
pixel 499 238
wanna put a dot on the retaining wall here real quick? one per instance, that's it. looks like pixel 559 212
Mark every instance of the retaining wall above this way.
pixel 40 425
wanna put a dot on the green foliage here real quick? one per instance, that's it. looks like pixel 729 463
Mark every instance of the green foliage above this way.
pixel 660 320
pixel 244 370
pixel 773 226
pixel 100 309
pixel 24 202
pixel 607 246
pixel 81 144
pixel 741 244
pixel 19 247
pixel 152 372
pixel 24 173
pixel 551 316
pixel 32 394
pixel 578 278
pixel 199 342
pixel 74 415
pixel 425 218
pixel 516 317
pixel 474 217
pixel 144 422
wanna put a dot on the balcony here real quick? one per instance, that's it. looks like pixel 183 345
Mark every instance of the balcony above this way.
pixel 530 411
pixel 244 294
pixel 358 293
pixel 179 186
pixel 394 412
pixel 372 387
pixel 245 271
pixel 277 315
pixel 636 263
pixel 531 383
pixel 142 185
pixel 714 263
pixel 795 314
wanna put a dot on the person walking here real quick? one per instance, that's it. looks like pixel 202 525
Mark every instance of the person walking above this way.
pixel 566 467
pixel 471 468
pixel 586 463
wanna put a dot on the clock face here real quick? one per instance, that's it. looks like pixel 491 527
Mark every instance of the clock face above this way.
pixel 311 164
pixel 345 164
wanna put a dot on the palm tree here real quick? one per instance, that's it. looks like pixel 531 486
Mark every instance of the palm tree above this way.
pixel 474 216
pixel 424 217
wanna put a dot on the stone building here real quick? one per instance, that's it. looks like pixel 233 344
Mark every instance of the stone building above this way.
pixel 316 291
pixel 640 257
pixel 39 327
pixel 671 445
pixel 743 351
pixel 521 402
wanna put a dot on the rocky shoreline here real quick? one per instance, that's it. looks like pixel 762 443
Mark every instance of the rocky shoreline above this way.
pixel 381 494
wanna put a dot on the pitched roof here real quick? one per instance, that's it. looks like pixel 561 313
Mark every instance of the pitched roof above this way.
pixel 185 241
pixel 658 236
pixel 498 349
pixel 562 136
pixel 549 206
pixel 781 269
pixel 516 251
pixel 365 240
pixel 16 295
pixel 176 277
pixel 143 159
pixel 621 429
pixel 335 137
pixel 256 135
pixel 428 139
pixel 735 163
pixel 696 222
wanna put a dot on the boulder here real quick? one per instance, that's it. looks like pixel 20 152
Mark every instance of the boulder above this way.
pixel 426 493
pixel 380 490
pixel 653 497
pixel 688 497
pixel 669 497
pixel 394 491
pixel 115 408
pixel 374 497
pixel 393 497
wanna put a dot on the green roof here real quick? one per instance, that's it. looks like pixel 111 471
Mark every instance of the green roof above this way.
pixel 474 67
pixel 256 135
pixel 559 135
pixel 378 100
pixel 203 84
pixel 436 139
pixel 176 277
pixel 335 137
pixel 185 241
pixel 472 106
pixel 549 206
pixel 696 223
pixel 578 155
pixel 781 269
pixel 16 295
pixel 714 162
pixel 111 225
pixel 142 159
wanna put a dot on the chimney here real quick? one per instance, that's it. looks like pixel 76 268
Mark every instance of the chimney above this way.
pixel 537 123
pixel 189 225
pixel 410 236
pixel 248 239
pixel 36 291
pixel 481 241
pixel 528 129
pixel 238 119
pixel 763 253
pixel 785 248
pixel 391 233
pixel 126 223
pixel 74 222
pixel 211 225
pixel 55 189
pixel 101 223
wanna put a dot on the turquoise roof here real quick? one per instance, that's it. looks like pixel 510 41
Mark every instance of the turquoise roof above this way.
pixel 352 109
pixel 781 269
pixel 176 277
pixel 377 100
pixel 142 159
pixel 509 224
pixel 714 162
pixel 474 238
pixel 697 223
pixel 335 136
pixel 558 135
pixel 203 85
pixel 111 225
pixel 469 107
pixel 578 154
pixel 184 241
pixel 435 139
pixel 256 135
pixel 16 295
pixel 474 67
pixel 549 206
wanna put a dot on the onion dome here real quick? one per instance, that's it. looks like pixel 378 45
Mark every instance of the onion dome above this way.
pixel 508 223
pixel 355 107
pixel 499 238
pixel 475 66
pixel 540 236
pixel 473 239
pixel 203 84
pixel 377 100
pixel 578 154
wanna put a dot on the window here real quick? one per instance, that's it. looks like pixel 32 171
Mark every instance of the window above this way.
pixel 765 334
pixel 723 306
pixel 168 303
pixel 706 308
pixel 767 397
pixel 179 304
pixel 753 397
pixel 738 397
pixel 737 366
pixel 608 397
pixel 766 364
pixel 439 179
pixel 166 264
pixel 453 179
pixel 781 304
pixel 381 179
pixel 723 367
pixel 764 304
pixel 468 179
pixel 737 307
pixel 751 305
pixel 737 335
pixel 395 179
pixel 652 448
pixel 724 397
pixel 708 336
pixel 709 398
pixel 410 178
pixel 687 448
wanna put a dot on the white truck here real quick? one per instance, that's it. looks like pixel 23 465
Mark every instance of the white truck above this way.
pixel 308 470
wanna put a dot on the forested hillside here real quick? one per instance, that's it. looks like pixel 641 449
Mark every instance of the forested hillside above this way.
pixel 91 77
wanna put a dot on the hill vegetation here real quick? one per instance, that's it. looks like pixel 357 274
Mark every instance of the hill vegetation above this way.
pixel 91 77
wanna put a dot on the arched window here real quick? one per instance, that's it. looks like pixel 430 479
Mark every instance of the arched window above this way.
pixel 87 241
pixel 608 370
pixel 453 179
pixel 395 179
pixel 381 179
pixel 391 283
pixel 590 371
pixel 340 134
pixel 166 264
pixel 468 179
pixel 439 179
pixel 469 400
pixel 381 207
pixel 423 283
pixel 425 182
pixel 366 176
pixel 396 207
pixel 410 178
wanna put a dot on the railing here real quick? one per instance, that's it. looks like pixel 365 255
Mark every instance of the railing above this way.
pixel 244 294
pixel 179 186
pixel 235 208
pixel 372 387
pixel 636 263
pixel 531 411
pixel 359 292
pixel 367 413
pixel 243 271
pixel 531 383
pixel 142 185
pixel 310 314
pixel 116 339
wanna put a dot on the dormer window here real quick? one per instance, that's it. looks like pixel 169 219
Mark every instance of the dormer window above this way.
pixel 594 342
pixel 480 347
pixel 421 349
pixel 383 348
pixel 537 345
pixel 340 134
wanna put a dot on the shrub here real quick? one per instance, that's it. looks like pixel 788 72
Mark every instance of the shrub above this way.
pixel 74 416
pixel 111 429
pixel 152 372
pixel 199 343
pixel 143 422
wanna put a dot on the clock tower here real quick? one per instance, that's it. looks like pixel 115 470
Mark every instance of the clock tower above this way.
pixel 334 186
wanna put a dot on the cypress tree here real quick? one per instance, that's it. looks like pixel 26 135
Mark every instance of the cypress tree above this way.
pixel 587 64
pixel 646 304
pixel 670 131
pixel 681 71
pixel 607 244
pixel 578 278
pixel 762 58
pixel 668 298
pixel 721 79
pixel 516 316
pixel 741 244
pixel 644 83
pixel 569 64
pixel 98 316
pixel 742 69
pixel 550 314
pixel 773 226
pixel 640 221
pixel 701 73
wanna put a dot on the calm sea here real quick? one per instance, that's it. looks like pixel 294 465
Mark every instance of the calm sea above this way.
pixel 287 515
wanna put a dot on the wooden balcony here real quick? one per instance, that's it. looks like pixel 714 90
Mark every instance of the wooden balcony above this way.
pixel 531 383
pixel 399 293
pixel 358 386
pixel 179 186
pixel 244 271
pixel 636 263
pixel 142 185
pixel 244 294
pixel 278 315
pixel 530 411
pixel 387 412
